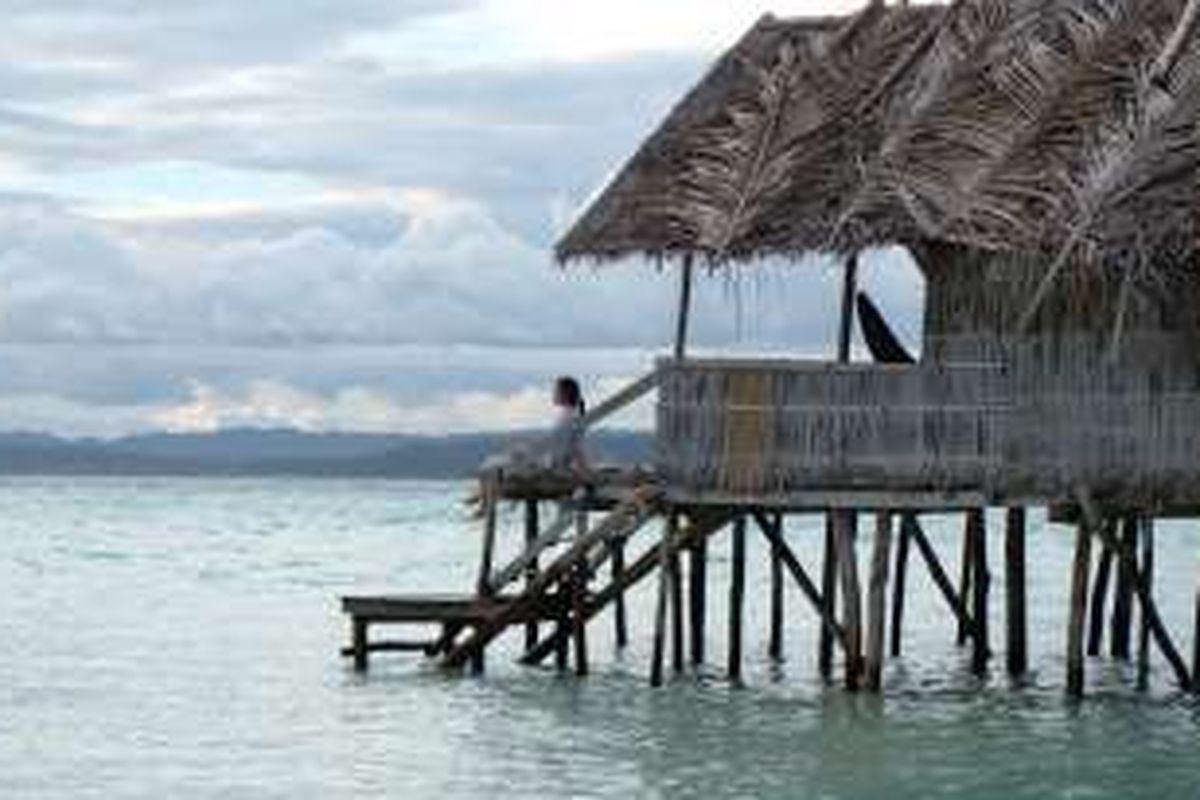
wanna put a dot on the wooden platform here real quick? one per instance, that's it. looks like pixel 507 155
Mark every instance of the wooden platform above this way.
pixel 452 613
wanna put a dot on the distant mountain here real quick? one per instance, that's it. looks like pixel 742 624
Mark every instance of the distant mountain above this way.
pixel 283 452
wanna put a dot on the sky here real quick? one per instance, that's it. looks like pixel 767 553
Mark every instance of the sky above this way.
pixel 339 214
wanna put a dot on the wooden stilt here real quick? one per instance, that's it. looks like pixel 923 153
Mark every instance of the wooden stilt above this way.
pixel 1014 580
pixel 1196 644
pixel 698 597
pixel 940 578
pixel 829 583
pixel 660 609
pixel 578 618
pixel 358 643
pixel 775 641
pixel 1078 610
pixel 980 586
pixel 685 304
pixel 1147 570
pixel 877 600
pixel 621 629
pixel 1096 606
pixel 483 584
pixel 676 585
pixel 773 533
pixel 562 632
pixel 531 533
pixel 1121 625
pixel 964 575
pixel 737 597
pixel 902 546
pixel 851 596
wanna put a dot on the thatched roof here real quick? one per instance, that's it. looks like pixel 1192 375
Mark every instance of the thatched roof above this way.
pixel 1067 127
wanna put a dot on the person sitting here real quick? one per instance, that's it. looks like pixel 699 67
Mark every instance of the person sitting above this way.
pixel 565 445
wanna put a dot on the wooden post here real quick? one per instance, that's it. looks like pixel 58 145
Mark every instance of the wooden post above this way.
pixel 1121 625
pixel 851 596
pixel 358 643
pixel 562 626
pixel 829 584
pixel 1143 654
pixel 664 592
pixel 618 576
pixel 981 585
pixel 483 584
pixel 1096 607
pixel 902 547
pixel 957 604
pixel 775 642
pixel 1196 644
pixel 737 598
pixel 531 532
pixel 697 591
pixel 964 575
pixel 685 303
pixel 676 611
pixel 1014 580
pixel 846 322
pixel 877 600
pixel 1078 609
pixel 578 618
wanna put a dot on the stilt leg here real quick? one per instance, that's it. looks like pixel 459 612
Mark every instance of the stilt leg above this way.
pixel 980 586
pixel 664 594
pixel 1121 626
pixel 358 643
pixel 851 596
pixel 775 644
pixel 964 581
pixel 903 542
pixel 1078 610
pixel 1143 654
pixel 829 584
pixel 621 629
pixel 1096 607
pixel 531 532
pixel 698 590
pixel 676 586
pixel 1014 579
pixel 877 600
pixel 737 595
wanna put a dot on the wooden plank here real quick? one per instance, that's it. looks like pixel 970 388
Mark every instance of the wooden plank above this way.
pixel 877 600
pixel 643 566
pixel 1076 610
pixel 818 500
pixel 1014 581
pixel 737 597
pixel 394 647
pixel 902 548
pixel 622 520
pixel 528 559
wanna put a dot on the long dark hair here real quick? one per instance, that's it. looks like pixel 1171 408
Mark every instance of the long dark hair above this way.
pixel 568 393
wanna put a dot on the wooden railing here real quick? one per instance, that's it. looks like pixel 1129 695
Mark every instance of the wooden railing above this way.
pixel 761 427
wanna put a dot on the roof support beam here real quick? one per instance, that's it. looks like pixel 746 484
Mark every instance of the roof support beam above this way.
pixel 685 303
pixel 846 323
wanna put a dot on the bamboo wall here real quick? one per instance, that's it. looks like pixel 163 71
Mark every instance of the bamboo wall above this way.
pixel 1078 399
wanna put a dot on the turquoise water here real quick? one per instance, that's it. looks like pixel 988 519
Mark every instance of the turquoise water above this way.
pixel 177 638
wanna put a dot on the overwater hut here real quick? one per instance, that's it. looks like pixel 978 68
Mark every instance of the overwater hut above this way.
pixel 1039 160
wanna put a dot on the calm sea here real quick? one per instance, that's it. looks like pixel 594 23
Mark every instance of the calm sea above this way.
pixel 178 638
